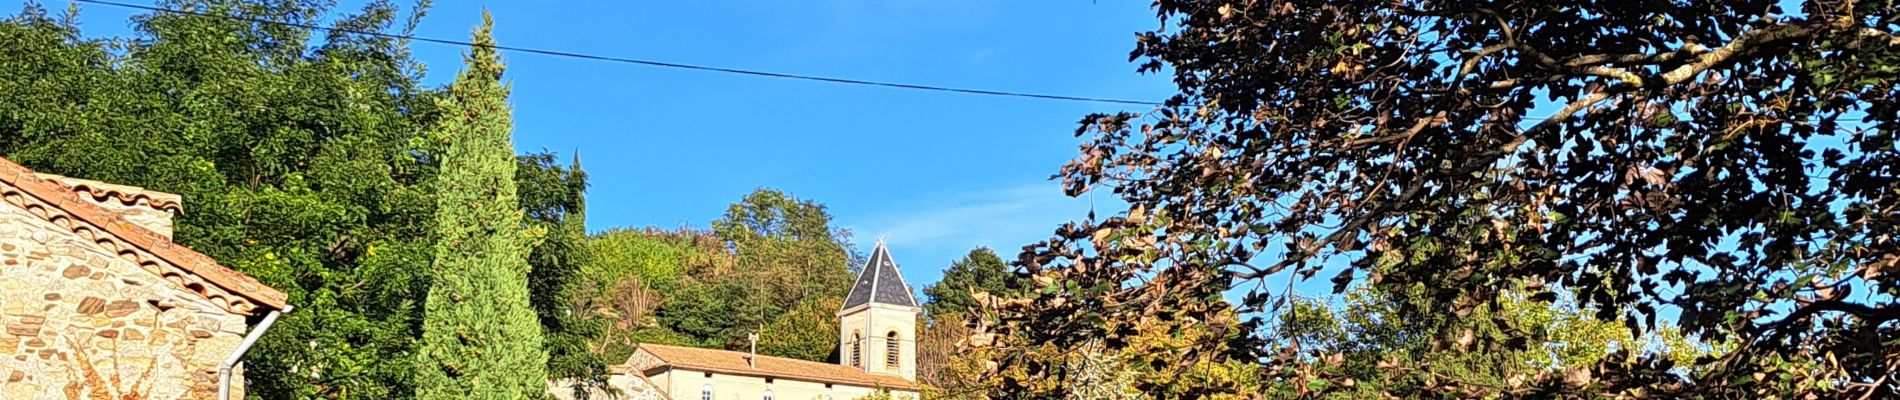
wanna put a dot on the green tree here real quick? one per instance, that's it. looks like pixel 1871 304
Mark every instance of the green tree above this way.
pixel 789 244
pixel 619 254
pixel 632 273
pixel 951 302
pixel 302 158
pixel 809 331
pixel 979 271
pixel 784 252
pixel 554 199
pixel 480 338
pixel 705 312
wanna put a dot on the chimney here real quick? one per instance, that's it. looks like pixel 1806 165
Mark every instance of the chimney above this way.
pixel 148 209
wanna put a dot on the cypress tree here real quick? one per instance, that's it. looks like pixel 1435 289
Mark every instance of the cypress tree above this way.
pixel 480 337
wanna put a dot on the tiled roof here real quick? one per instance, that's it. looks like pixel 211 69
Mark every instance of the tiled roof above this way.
pixel 69 200
pixel 734 363
pixel 124 194
pixel 880 282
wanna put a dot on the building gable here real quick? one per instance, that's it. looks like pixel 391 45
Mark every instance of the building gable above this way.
pixel 74 209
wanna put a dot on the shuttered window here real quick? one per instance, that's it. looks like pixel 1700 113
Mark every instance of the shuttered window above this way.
pixel 890 349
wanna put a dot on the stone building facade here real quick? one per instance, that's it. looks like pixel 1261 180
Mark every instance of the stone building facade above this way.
pixel 98 303
pixel 878 354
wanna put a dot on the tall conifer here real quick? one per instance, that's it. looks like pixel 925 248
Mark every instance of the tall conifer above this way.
pixel 480 337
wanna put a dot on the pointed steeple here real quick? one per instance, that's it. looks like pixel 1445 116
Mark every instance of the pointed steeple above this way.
pixel 880 282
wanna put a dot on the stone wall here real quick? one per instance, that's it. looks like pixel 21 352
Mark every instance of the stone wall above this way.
pixel 82 323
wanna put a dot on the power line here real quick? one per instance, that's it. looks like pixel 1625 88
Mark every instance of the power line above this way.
pixel 650 63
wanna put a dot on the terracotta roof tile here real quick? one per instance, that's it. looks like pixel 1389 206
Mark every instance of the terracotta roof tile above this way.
pixel 733 362
pixel 124 194
pixel 66 199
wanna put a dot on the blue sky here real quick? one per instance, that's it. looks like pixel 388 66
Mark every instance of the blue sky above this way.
pixel 936 173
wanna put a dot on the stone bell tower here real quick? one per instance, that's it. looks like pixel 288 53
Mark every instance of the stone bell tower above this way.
pixel 877 328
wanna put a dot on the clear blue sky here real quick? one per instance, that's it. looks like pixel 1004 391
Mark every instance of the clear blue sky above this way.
pixel 937 173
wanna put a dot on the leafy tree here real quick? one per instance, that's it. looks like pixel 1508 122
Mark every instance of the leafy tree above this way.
pixel 1379 349
pixel 480 338
pixel 950 302
pixel 1726 163
pixel 979 271
pixel 1140 359
pixel 789 244
pixel 633 274
pixel 630 274
pixel 705 312
pixel 302 158
pixel 783 252
pixel 809 331
pixel 554 199
pixel 946 372
pixel 619 254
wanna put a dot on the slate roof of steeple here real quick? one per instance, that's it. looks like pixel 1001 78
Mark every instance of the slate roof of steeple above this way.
pixel 880 282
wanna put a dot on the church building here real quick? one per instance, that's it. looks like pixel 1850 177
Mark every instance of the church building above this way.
pixel 877 343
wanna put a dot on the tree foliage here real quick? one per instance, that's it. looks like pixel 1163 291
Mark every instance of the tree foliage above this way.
pixel 1378 349
pixel 788 253
pixel 809 331
pixel 769 266
pixel 979 271
pixel 309 160
pixel 789 245
pixel 1727 165
pixel 553 198
pixel 302 157
pixel 951 300
pixel 480 337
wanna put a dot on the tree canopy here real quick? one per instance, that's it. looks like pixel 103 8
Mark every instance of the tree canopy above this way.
pixel 480 334
pixel 553 199
pixel 981 270
pixel 302 158
pixel 1721 167
pixel 312 160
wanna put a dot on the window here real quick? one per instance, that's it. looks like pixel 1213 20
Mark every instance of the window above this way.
pixel 890 349
pixel 705 392
pixel 768 394
pixel 857 349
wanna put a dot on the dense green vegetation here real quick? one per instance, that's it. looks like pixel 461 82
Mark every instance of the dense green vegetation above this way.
pixel 480 337
pixel 304 161
pixel 1697 219
pixel 317 163
pixel 554 201
pixel 981 270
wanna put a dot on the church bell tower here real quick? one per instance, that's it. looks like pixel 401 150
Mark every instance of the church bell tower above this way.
pixel 877 328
